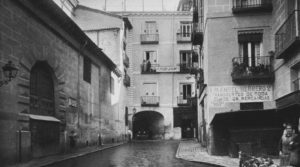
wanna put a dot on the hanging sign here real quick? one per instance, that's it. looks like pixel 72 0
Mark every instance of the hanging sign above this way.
pixel 168 69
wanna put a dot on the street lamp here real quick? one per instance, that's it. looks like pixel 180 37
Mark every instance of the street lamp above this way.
pixel 133 112
pixel 10 72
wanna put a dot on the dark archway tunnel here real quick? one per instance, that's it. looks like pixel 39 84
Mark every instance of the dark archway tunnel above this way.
pixel 148 125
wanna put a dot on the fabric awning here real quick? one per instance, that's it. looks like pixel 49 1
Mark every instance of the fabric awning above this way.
pixel 250 36
pixel 247 117
pixel 43 118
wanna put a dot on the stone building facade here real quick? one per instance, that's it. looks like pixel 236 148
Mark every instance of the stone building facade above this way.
pixel 109 32
pixel 285 33
pixel 236 103
pixel 162 92
pixel 62 89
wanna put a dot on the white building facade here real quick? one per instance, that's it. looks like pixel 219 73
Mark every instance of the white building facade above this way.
pixel 162 88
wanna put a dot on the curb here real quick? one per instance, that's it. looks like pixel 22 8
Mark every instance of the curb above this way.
pixel 75 155
pixel 80 155
pixel 201 162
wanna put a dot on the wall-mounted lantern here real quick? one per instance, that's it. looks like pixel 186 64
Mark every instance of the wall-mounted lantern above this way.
pixel 10 72
pixel 133 112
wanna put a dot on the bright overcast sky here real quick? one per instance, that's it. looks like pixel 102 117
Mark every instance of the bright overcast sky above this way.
pixel 132 5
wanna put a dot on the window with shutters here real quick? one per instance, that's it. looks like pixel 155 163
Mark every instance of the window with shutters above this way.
pixel 87 69
pixel 41 90
pixel 250 49
pixel 251 63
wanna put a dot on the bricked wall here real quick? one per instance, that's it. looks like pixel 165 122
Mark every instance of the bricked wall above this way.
pixel 25 40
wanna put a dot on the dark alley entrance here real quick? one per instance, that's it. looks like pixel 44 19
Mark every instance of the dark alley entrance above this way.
pixel 148 125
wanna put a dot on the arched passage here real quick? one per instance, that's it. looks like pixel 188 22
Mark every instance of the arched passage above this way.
pixel 44 126
pixel 148 125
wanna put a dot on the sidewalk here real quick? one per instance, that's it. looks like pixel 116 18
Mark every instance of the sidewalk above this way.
pixel 191 150
pixel 61 157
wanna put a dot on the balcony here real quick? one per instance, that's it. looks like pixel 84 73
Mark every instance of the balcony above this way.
pixel 149 38
pixel 197 34
pixel 188 101
pixel 149 68
pixel 260 70
pixel 126 60
pixel 183 37
pixel 246 6
pixel 126 80
pixel 185 67
pixel 192 68
pixel 150 101
pixel 287 37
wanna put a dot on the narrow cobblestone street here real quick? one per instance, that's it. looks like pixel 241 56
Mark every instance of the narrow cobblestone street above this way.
pixel 135 154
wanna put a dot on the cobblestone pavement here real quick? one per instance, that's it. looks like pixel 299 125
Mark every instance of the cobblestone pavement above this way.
pixel 191 150
pixel 135 154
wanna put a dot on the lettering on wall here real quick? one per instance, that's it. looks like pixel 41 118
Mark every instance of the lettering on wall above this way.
pixel 168 69
pixel 218 96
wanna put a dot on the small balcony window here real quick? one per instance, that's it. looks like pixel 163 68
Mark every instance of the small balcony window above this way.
pixel 185 31
pixel 287 38
pixel 149 63
pixel 150 35
pixel 251 64
pixel 188 61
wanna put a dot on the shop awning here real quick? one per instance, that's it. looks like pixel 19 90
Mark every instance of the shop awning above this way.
pixel 288 101
pixel 247 118
pixel 43 118
pixel 250 36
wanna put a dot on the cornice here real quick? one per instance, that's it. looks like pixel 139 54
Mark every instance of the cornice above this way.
pixel 154 13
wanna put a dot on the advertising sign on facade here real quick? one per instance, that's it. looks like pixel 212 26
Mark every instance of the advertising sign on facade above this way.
pixel 168 69
pixel 219 95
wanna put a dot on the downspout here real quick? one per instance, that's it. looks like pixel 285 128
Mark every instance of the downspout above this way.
pixel 78 82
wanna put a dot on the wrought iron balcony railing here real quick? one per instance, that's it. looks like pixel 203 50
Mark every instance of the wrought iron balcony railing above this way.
pixel 149 38
pixel 259 68
pixel 126 80
pixel 150 101
pixel 189 67
pixel 148 68
pixel 187 101
pixel 243 6
pixel 183 37
pixel 126 60
pixel 287 37
pixel 197 34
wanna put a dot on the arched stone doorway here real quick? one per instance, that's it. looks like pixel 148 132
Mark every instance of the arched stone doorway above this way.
pixel 44 126
pixel 148 125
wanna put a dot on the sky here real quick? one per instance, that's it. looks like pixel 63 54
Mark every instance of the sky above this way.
pixel 132 5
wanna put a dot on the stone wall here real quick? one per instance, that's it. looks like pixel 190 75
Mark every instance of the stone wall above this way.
pixel 26 40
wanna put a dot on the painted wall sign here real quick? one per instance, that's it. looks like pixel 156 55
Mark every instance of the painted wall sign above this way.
pixel 219 95
pixel 168 69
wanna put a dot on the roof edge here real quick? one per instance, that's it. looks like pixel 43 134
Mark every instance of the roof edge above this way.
pixel 50 11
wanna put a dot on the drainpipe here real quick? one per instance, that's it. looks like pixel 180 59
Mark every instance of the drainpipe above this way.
pixel 80 52
pixel 296 18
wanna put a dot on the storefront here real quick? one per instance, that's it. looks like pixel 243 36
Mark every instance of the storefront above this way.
pixel 288 108
pixel 254 132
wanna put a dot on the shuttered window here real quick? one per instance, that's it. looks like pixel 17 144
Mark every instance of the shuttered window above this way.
pixel 87 69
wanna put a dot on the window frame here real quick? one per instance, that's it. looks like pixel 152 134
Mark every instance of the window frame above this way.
pixel 87 69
